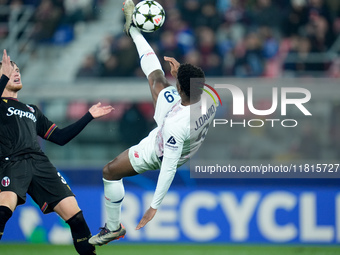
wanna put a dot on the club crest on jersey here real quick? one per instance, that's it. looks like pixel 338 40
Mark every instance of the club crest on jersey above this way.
pixel 6 181
pixel 30 108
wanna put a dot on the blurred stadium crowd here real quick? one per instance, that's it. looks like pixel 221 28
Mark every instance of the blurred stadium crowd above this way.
pixel 242 38
pixel 49 15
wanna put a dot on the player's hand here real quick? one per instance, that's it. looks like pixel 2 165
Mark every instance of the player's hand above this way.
pixel 98 111
pixel 174 64
pixel 7 67
pixel 148 215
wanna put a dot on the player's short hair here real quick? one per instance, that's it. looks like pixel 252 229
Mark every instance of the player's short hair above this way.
pixel 187 72
pixel 12 62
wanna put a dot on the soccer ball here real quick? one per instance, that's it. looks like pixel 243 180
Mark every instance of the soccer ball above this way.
pixel 148 16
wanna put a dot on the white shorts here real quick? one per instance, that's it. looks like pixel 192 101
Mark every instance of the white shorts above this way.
pixel 143 156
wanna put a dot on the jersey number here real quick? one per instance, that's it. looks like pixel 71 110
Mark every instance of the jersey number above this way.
pixel 203 133
pixel 169 97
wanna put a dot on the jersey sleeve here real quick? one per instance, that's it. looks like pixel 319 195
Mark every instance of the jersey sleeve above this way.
pixel 61 136
pixel 3 82
pixel 166 175
pixel 45 127
pixel 174 135
pixel 173 145
pixel 165 100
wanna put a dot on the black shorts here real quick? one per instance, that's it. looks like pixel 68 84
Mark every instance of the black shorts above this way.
pixel 37 177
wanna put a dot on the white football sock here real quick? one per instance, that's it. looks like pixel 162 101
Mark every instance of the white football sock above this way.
pixel 114 194
pixel 148 59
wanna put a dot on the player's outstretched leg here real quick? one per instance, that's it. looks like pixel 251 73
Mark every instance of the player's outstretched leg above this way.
pixel 129 6
pixel 114 192
pixel 114 195
pixel 105 235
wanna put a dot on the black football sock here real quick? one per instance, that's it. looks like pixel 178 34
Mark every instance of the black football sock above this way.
pixel 5 214
pixel 81 234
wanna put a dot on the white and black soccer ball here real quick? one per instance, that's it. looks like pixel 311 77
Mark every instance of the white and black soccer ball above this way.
pixel 148 16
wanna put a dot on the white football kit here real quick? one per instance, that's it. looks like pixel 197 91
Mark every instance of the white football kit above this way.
pixel 173 141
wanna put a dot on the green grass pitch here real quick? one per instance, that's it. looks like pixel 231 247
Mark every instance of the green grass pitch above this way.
pixel 169 249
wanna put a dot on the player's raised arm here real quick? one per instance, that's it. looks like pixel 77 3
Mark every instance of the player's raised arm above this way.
pixel 62 136
pixel 6 65
pixel 174 65
pixel 148 60
pixel 98 110
pixel 6 69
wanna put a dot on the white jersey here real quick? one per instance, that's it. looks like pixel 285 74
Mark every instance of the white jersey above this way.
pixel 182 130
pixel 179 133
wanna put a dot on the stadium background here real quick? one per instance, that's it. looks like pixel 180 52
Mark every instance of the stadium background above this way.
pixel 73 54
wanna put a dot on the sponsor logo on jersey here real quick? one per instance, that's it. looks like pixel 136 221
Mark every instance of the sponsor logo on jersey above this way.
pixel 5 181
pixel 30 107
pixel 171 143
pixel 12 111
pixel 171 140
